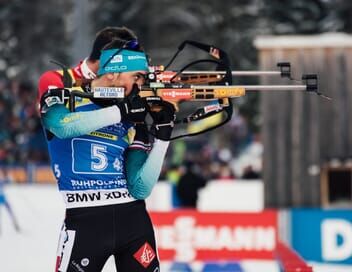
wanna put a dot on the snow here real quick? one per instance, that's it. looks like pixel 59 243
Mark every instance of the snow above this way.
pixel 40 212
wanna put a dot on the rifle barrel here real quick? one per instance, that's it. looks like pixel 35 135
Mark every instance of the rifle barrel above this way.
pixel 234 73
pixel 275 87
pixel 258 87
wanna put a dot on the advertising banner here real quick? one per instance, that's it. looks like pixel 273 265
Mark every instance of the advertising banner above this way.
pixel 188 235
pixel 322 235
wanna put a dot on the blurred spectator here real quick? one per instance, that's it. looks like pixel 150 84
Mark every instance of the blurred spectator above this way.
pixel 21 136
pixel 225 172
pixel 249 173
pixel 178 152
pixel 188 185
pixel 4 202
pixel 173 174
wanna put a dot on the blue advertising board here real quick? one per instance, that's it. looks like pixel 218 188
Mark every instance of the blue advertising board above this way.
pixel 322 235
pixel 207 267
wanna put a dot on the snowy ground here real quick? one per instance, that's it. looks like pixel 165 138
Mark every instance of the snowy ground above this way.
pixel 40 210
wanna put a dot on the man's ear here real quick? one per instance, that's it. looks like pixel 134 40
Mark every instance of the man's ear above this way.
pixel 93 65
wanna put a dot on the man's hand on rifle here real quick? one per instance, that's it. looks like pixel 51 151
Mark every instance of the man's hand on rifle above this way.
pixel 133 108
pixel 163 120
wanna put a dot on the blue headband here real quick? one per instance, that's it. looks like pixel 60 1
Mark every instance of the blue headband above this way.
pixel 123 61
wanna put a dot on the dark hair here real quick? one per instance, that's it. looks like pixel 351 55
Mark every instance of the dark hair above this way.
pixel 106 36
pixel 131 44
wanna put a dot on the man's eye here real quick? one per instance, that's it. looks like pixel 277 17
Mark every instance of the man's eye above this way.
pixel 138 77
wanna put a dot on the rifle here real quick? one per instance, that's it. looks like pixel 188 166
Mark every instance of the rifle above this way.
pixel 177 87
pixel 215 87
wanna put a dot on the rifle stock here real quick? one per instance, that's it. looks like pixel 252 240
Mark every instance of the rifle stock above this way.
pixel 193 93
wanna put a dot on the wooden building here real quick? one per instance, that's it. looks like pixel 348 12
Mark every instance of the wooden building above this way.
pixel 306 136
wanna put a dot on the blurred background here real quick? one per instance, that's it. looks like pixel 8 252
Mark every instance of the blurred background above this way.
pixel 290 152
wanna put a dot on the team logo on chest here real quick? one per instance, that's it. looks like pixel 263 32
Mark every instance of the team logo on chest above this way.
pixel 117 165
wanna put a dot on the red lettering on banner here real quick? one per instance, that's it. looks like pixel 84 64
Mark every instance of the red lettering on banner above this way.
pixel 189 235
pixel 165 76
pixel 176 94
pixel 145 255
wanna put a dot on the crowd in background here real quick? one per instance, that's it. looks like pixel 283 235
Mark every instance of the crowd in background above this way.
pixel 192 162
pixel 21 136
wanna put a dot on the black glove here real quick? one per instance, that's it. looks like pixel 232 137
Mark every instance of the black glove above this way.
pixel 163 120
pixel 53 97
pixel 133 108
pixel 141 133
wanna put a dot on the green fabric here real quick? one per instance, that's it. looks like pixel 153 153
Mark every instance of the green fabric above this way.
pixel 143 172
pixel 65 124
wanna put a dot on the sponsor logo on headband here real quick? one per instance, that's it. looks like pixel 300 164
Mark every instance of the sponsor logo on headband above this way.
pixel 117 58
pixel 116 68
pixel 135 57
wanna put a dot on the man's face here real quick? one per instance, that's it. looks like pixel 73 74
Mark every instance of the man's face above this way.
pixel 127 80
